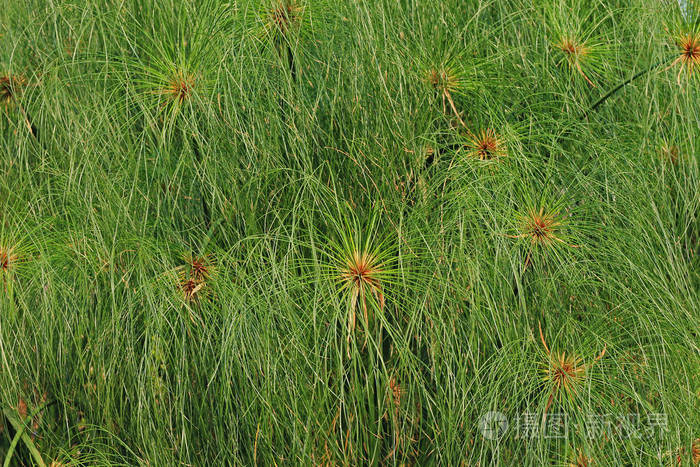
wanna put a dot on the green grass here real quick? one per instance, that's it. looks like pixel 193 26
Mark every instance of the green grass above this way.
pixel 235 234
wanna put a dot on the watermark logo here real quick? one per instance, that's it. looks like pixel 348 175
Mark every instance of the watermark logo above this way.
pixel 493 425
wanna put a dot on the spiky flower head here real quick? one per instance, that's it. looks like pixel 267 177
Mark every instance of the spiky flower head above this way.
pixel 8 260
pixel 360 264
pixel 563 373
pixel 180 88
pixel 576 52
pixel 540 227
pixel 190 288
pixel 446 80
pixel 695 451
pixel 194 277
pixel 201 267
pixel 446 73
pixel 10 263
pixel 486 145
pixel 443 79
pixel 689 54
pixel 361 275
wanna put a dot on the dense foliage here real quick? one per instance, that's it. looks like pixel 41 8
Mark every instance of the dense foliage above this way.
pixel 349 232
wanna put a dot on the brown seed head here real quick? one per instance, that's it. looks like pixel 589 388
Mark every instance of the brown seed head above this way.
pixel 442 80
pixel 695 451
pixel 8 259
pixel 487 145
pixel 576 52
pixel 190 288
pixel 540 227
pixel 180 87
pixel 572 48
pixel 201 267
pixel 360 273
pixel 565 372
pixel 193 278
pixel 689 55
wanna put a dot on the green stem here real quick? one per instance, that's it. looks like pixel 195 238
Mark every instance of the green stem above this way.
pixel 625 83
pixel 30 126
pixel 20 427
pixel 205 205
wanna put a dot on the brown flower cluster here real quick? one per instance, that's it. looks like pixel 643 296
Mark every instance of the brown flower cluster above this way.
pixel 194 277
